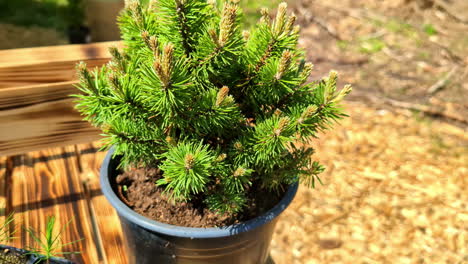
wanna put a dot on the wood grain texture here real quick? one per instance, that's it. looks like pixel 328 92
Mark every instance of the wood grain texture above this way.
pixel 36 110
pixel 107 220
pixel 43 73
pixel 52 54
pixel 46 183
pixel 3 171
pixel 36 117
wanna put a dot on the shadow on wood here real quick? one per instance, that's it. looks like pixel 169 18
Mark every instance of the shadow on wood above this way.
pixel 270 260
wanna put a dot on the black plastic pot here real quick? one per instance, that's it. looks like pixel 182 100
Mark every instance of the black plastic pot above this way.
pixel 34 259
pixel 149 241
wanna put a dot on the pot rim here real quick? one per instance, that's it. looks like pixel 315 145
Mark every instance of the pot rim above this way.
pixel 188 232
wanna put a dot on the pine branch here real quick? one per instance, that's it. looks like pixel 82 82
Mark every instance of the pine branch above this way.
pixel 165 100
pixel 184 29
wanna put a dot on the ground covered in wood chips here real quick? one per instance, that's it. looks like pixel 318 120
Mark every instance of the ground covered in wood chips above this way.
pixel 394 192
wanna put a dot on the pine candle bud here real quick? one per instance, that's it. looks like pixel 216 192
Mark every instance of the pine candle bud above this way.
pixel 277 112
pixel 333 76
pixel 114 82
pixel 129 3
pixel 115 54
pixel 246 35
pixel 308 112
pixel 212 2
pixel 135 9
pixel 341 94
pixel 308 67
pixel 238 146
pixel 284 64
pixel 280 20
pixel 221 157
pixel 290 24
pixel 223 92
pixel 163 66
pixel 227 24
pixel 296 29
pixel 160 72
pixel 330 85
pixel 265 15
pixel 171 141
pixel 189 161
pixel 239 172
pixel 146 38
pixel 214 36
pixel 282 125
pixel 117 58
pixel 152 4
pixel 85 77
pixel 154 45
pixel 82 70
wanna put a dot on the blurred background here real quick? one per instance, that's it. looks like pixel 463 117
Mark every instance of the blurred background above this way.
pixel 395 187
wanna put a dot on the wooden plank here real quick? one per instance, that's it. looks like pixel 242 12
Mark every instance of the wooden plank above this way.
pixel 107 221
pixel 36 117
pixel 3 171
pixel 47 183
pixel 51 54
pixel 43 73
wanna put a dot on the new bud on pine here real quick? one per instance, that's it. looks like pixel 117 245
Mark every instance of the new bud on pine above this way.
pixel 136 12
pixel 280 21
pixel 214 37
pixel 168 58
pixel 246 35
pixel 308 67
pixel 290 24
pixel 163 64
pixel 221 157
pixel 223 92
pixel 341 94
pixel 118 58
pixel 284 64
pixel 265 15
pixel 146 38
pixel 154 45
pixel 296 29
pixel 239 172
pixel 238 146
pixel 227 24
pixel 282 124
pixel 277 112
pixel 330 86
pixel 85 77
pixel 308 112
pixel 189 161
pixel 115 83
pixel 171 141
pixel 212 3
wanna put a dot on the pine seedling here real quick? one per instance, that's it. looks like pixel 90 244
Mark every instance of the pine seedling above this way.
pixel 49 243
pixel 5 234
pixel 217 109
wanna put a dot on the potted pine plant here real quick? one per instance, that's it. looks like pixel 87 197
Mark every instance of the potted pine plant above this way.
pixel 208 128
pixel 46 250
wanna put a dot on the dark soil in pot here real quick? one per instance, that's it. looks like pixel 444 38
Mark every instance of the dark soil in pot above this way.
pixel 138 190
pixel 8 256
